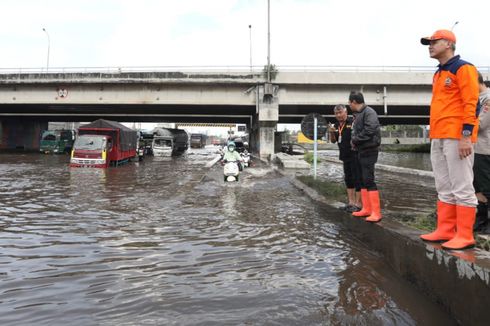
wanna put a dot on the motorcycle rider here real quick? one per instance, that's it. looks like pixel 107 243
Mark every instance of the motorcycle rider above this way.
pixel 231 155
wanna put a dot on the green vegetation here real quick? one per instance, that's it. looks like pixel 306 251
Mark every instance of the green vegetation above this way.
pixel 418 148
pixel 309 158
pixel 326 188
pixel 422 222
pixel 483 243
pixel 428 223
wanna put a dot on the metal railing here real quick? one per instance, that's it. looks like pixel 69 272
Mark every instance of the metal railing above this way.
pixel 220 69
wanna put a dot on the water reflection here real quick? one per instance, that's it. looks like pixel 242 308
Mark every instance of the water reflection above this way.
pixel 167 242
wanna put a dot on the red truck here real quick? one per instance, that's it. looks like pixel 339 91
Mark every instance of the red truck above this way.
pixel 102 143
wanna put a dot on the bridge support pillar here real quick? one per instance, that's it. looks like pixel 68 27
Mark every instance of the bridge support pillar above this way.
pixel 21 133
pixel 266 123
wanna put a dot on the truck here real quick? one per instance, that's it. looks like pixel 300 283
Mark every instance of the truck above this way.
pixel 103 143
pixel 198 140
pixel 56 141
pixel 169 142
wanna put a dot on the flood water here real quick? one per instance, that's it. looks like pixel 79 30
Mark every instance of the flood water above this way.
pixel 167 242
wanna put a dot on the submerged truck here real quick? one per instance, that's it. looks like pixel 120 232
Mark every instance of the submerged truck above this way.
pixel 169 142
pixel 56 141
pixel 103 143
pixel 198 140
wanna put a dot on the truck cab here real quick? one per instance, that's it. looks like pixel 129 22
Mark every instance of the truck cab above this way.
pixel 56 141
pixel 162 146
pixel 91 151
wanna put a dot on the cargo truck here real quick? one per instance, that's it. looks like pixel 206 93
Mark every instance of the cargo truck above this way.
pixel 103 143
pixel 198 140
pixel 56 141
pixel 169 142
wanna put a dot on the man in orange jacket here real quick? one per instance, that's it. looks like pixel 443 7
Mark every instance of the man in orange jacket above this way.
pixel 453 130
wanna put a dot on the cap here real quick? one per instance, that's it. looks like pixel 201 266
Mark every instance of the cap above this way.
pixel 440 34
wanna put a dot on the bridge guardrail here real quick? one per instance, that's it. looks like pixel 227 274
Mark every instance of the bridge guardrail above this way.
pixel 221 69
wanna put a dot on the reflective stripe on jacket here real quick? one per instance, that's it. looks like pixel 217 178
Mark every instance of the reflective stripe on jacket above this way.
pixel 454 100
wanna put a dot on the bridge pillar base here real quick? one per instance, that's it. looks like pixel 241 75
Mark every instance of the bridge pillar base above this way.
pixel 267 123
pixel 266 139
pixel 20 134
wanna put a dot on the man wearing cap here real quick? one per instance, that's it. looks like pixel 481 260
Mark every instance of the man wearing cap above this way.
pixel 453 130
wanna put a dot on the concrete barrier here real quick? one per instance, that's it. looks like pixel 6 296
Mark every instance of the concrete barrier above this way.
pixel 458 280
pixel 291 161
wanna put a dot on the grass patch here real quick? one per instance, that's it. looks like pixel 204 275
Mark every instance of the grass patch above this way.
pixel 428 223
pixel 423 222
pixel 326 188
pixel 417 148
pixel 308 157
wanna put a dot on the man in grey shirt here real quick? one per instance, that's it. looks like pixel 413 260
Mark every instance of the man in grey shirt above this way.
pixel 481 167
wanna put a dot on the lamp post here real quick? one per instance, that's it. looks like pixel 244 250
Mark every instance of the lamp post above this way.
pixel 250 41
pixel 47 59
pixel 268 41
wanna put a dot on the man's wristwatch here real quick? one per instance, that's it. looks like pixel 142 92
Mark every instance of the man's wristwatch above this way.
pixel 466 133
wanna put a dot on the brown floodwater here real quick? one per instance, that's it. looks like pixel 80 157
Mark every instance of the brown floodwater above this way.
pixel 167 242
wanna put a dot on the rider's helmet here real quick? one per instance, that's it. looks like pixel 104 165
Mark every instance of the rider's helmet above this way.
pixel 231 146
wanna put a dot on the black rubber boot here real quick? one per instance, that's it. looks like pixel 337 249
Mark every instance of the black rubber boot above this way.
pixel 481 221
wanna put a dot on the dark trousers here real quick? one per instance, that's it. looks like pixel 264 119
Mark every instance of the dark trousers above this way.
pixel 367 160
pixel 351 175
pixel 481 171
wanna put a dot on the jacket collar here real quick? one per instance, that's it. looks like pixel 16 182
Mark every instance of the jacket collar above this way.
pixel 449 62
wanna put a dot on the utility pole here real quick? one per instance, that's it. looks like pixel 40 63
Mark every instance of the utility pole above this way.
pixel 47 60
pixel 250 41
pixel 268 41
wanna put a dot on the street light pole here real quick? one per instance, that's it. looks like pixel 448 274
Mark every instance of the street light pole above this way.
pixel 268 41
pixel 47 59
pixel 250 39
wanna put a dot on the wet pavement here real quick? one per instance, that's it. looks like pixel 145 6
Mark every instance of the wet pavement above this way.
pixel 166 241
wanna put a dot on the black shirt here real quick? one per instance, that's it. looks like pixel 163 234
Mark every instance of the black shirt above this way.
pixel 344 129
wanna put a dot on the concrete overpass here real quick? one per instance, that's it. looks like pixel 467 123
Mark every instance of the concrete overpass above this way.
pixel 400 95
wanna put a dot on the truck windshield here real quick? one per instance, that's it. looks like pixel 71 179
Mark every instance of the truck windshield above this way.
pixel 162 143
pixel 90 143
pixel 49 137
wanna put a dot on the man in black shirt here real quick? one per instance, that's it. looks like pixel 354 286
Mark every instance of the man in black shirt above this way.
pixel 340 133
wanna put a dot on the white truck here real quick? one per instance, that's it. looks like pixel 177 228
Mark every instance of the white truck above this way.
pixel 169 142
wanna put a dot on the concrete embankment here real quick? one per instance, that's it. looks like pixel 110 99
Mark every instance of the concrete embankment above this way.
pixel 459 280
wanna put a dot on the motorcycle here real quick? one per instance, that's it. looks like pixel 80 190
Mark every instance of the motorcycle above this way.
pixel 246 158
pixel 230 171
pixel 140 153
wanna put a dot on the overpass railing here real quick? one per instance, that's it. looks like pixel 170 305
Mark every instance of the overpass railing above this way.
pixel 221 69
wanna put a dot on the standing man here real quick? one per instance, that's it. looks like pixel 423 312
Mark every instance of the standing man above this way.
pixel 453 130
pixel 481 168
pixel 366 139
pixel 340 133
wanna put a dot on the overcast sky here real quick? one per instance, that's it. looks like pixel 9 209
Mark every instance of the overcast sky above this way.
pixel 114 33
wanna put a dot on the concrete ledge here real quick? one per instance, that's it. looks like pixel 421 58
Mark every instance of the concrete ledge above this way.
pixel 291 161
pixel 458 280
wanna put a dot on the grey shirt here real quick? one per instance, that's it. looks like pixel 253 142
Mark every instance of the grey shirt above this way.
pixel 483 143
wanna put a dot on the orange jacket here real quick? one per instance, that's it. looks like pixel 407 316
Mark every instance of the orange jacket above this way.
pixel 454 100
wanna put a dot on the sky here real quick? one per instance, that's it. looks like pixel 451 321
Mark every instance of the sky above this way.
pixel 121 33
